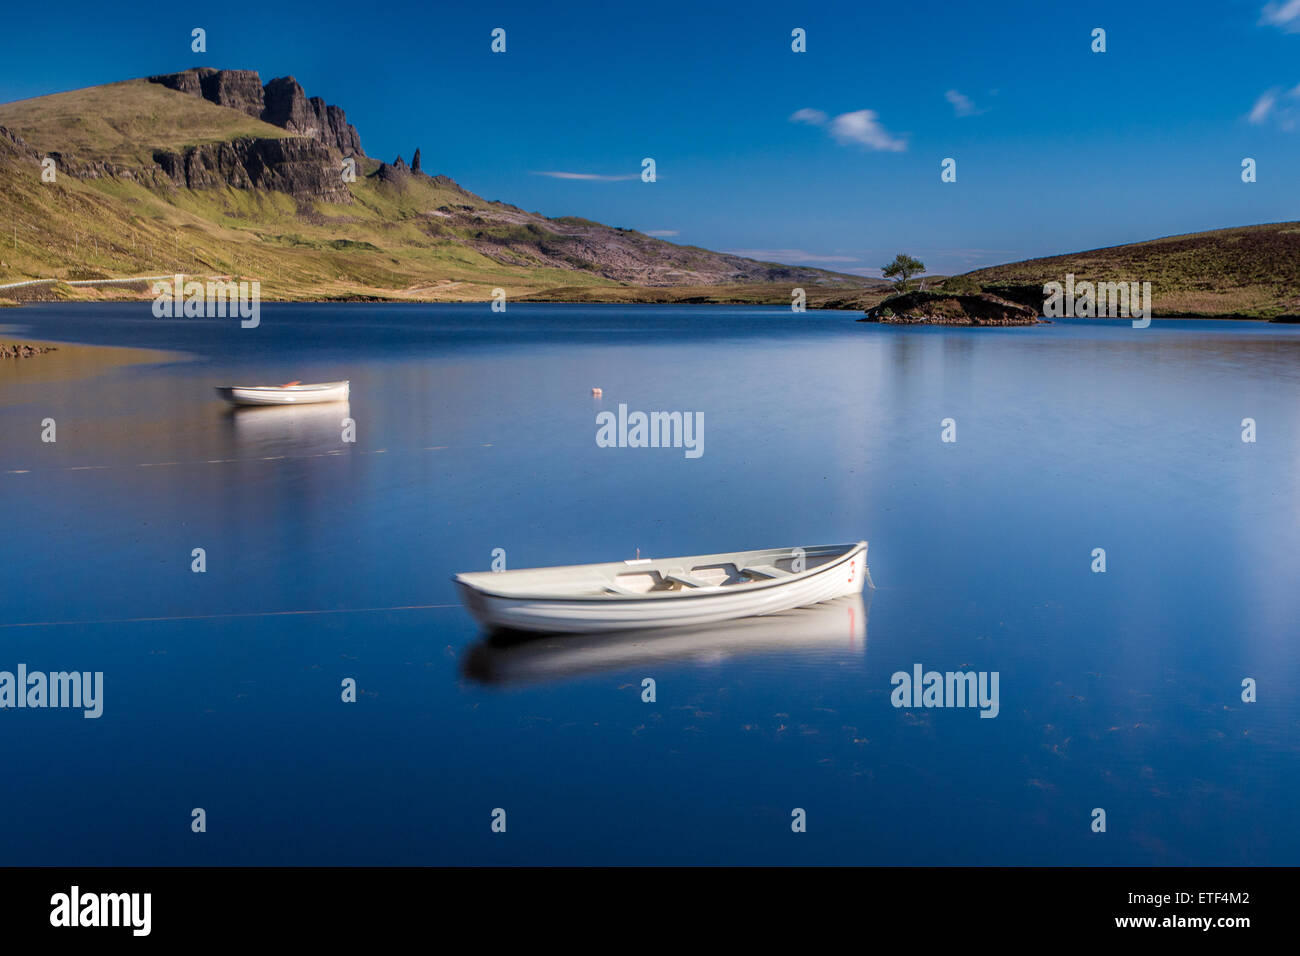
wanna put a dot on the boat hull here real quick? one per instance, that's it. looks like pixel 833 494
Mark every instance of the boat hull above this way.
pixel 835 627
pixel 284 395
pixel 844 575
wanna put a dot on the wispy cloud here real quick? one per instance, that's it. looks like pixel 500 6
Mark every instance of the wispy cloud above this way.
pixel 1263 106
pixel 811 117
pixel 661 233
pixel 1280 106
pixel 1285 14
pixel 861 128
pixel 961 103
pixel 588 177
pixel 788 255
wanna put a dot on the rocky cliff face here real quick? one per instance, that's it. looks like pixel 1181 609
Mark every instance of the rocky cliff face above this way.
pixel 13 146
pixel 288 107
pixel 303 168
pixel 238 89
pixel 280 102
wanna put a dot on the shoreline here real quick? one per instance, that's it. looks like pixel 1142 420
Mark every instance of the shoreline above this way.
pixel 693 295
pixel 375 300
pixel 74 361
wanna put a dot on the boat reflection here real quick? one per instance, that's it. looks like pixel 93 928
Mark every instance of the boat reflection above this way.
pixel 835 627
pixel 289 429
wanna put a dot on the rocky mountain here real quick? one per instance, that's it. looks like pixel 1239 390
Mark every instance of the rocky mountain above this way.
pixel 281 102
pixel 212 171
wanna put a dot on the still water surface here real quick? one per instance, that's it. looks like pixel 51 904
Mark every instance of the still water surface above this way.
pixel 476 431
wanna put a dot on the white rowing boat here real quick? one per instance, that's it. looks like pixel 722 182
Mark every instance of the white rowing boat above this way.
pixel 669 592
pixel 294 393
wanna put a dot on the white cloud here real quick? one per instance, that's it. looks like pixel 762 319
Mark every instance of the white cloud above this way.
pixel 1284 14
pixel 861 127
pixel 1263 106
pixel 961 103
pixel 811 117
pixel 590 177
pixel 1281 107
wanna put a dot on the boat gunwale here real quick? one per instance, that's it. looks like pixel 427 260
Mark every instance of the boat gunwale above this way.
pixel 281 389
pixel 852 550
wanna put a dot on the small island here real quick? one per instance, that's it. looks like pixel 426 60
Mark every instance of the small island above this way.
pixel 950 308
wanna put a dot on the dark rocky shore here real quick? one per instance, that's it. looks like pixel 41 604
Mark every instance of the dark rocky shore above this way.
pixel 23 351
pixel 942 308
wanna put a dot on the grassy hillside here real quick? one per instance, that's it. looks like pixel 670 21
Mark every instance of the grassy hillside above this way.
pixel 376 247
pixel 412 238
pixel 124 122
pixel 1250 271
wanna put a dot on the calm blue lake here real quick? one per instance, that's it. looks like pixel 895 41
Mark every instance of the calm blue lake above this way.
pixel 476 431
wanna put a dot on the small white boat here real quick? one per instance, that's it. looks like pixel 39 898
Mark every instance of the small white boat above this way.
pixel 669 592
pixel 294 393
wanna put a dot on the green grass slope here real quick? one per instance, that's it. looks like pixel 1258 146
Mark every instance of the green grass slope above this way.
pixel 1249 271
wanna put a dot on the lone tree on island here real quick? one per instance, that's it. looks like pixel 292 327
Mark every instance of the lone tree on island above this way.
pixel 901 269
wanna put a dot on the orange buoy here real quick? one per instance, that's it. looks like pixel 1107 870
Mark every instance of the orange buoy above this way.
pixel 596 392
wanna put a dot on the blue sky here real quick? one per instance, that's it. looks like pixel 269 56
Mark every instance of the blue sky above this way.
pixel 830 157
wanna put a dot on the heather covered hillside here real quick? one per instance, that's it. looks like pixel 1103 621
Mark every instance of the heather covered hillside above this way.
pixel 1249 271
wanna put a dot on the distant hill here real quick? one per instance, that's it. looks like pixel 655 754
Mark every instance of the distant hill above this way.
pixel 212 172
pixel 1247 272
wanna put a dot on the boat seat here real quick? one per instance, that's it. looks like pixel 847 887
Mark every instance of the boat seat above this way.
pixel 765 571
pixel 686 579
pixel 619 589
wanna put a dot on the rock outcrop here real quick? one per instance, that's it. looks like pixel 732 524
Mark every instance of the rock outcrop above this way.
pixel 288 107
pixel 940 308
pixel 395 172
pixel 280 102
pixel 306 166
pixel 16 143
pixel 398 173
pixel 238 89
pixel 24 351
pixel 303 168
pixel 13 146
